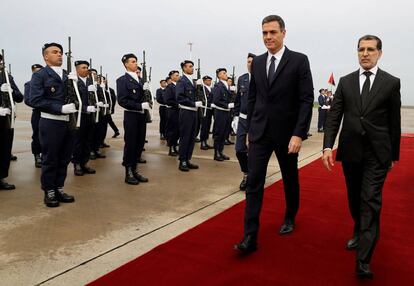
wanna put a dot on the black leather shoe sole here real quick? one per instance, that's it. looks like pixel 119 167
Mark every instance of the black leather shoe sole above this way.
pixel 219 159
pixel 245 250
pixel 52 204
pixel 183 169
pixel 286 228
pixel 132 182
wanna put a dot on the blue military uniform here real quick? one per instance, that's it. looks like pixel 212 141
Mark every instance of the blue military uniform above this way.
pixel 173 114
pixel 110 120
pixel 185 93
pixel 322 100
pixel 48 92
pixel 130 96
pixel 221 100
pixel 35 145
pixel 206 121
pixel 159 95
pixel 6 133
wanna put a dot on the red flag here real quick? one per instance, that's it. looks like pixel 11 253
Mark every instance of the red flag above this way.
pixel 331 80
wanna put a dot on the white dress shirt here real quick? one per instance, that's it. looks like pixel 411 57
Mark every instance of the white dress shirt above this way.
pixel 362 77
pixel 278 57
pixel 134 75
pixel 225 83
pixel 190 77
pixel 58 70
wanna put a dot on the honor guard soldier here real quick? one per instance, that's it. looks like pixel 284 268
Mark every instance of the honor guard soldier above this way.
pixel 48 93
pixel 206 121
pixel 185 92
pixel 35 146
pixel 130 96
pixel 239 123
pixel 221 100
pixel 233 92
pixel 111 122
pixel 7 87
pixel 82 137
pixel 162 109
pixel 173 113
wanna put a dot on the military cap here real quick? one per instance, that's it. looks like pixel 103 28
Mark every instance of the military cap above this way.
pixel 139 68
pixel 186 62
pixel 93 70
pixel 77 63
pixel 128 56
pixel 48 45
pixel 206 77
pixel 172 72
pixel 251 55
pixel 219 70
pixel 37 66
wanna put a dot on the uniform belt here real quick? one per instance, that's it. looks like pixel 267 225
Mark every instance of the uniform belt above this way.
pixel 187 107
pixel 163 104
pixel 242 115
pixel 219 108
pixel 136 111
pixel 54 116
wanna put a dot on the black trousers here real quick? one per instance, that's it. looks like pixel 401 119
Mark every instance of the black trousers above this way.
pixel 188 125
pixel 206 125
pixel 258 159
pixel 112 123
pixel 163 119
pixel 322 114
pixel 200 113
pixel 221 128
pixel 36 148
pixel 173 126
pixel 100 132
pixel 81 148
pixel 134 137
pixel 6 142
pixel 364 182
pixel 241 146
pixel 56 140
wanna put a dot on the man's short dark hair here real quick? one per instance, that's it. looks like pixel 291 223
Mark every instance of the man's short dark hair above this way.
pixel 369 38
pixel 274 18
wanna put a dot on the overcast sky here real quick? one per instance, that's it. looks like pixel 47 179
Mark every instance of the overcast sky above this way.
pixel 223 32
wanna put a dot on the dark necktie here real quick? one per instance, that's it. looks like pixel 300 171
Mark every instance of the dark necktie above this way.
pixel 271 73
pixel 365 87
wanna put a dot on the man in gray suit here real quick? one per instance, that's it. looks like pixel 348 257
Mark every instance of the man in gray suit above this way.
pixel 369 102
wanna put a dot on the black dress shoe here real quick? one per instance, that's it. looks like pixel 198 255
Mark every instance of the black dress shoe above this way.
pixel 183 166
pixel 217 156
pixel 88 170
pixel 78 170
pixel 352 243
pixel 287 227
pixel 162 137
pixel 64 197
pixel 142 161
pixel 138 176
pixel 6 186
pixel 224 157
pixel 129 176
pixel 197 140
pixel 116 134
pixel 146 141
pixel 243 184
pixel 50 199
pixel 13 157
pixel 92 156
pixel 227 142
pixel 363 271
pixel 191 165
pixel 204 145
pixel 172 152
pixel 99 155
pixel 247 245
pixel 38 161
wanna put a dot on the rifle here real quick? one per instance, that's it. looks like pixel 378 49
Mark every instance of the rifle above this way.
pixel 93 96
pixel 200 92
pixel 7 97
pixel 233 79
pixel 71 96
pixel 105 111
pixel 109 94
pixel 147 93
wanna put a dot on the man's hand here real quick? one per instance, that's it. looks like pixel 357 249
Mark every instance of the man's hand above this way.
pixel 327 159
pixel 294 145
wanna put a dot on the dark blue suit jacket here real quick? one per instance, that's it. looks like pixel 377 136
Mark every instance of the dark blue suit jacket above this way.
pixel 169 96
pixel 282 108
pixel 221 95
pixel 130 92
pixel 240 104
pixel 159 95
pixel 48 91
pixel 83 91
pixel 185 92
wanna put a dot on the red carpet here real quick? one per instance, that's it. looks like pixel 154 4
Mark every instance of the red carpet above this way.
pixel 313 255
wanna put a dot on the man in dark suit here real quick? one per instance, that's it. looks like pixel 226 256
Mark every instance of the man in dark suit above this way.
pixel 162 109
pixel 369 102
pixel 173 113
pixel 280 105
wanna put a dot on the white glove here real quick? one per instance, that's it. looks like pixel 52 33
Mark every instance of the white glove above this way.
pixel 199 82
pixel 231 105
pixel 102 85
pixel 106 105
pixel 145 106
pixel 235 123
pixel 4 111
pixel 92 88
pixel 91 108
pixel 68 108
pixel 100 104
pixel 198 104
pixel 5 87
pixel 233 88
pixel 146 86
pixel 73 76
pixel 325 107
